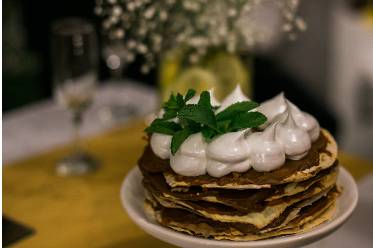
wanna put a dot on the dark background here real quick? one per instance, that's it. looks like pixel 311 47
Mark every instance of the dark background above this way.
pixel 28 79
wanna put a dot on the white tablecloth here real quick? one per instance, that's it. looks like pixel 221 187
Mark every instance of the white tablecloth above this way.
pixel 39 127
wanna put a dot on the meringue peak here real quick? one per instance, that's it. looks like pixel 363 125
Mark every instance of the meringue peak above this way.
pixel 235 96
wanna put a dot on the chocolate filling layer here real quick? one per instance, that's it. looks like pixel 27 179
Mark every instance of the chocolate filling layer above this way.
pixel 221 209
pixel 180 216
pixel 244 201
pixel 149 162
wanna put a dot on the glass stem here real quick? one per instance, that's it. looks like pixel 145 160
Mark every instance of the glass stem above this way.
pixel 77 123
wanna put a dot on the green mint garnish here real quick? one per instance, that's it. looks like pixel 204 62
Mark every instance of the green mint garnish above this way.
pixel 162 126
pixel 247 120
pixel 236 108
pixel 204 100
pixel 198 113
pixel 189 95
pixel 178 139
pixel 200 117
pixel 208 133
pixel 171 104
pixel 170 114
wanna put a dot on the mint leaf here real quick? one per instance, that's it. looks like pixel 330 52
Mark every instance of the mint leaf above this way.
pixel 204 99
pixel 236 108
pixel 171 104
pixel 178 139
pixel 247 120
pixel 169 114
pixel 208 134
pixel 165 127
pixel 192 125
pixel 180 100
pixel 223 126
pixel 198 113
pixel 189 95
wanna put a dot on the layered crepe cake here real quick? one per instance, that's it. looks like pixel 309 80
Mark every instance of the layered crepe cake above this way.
pixel 249 183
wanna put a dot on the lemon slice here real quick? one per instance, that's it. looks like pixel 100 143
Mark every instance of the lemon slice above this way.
pixel 230 71
pixel 195 78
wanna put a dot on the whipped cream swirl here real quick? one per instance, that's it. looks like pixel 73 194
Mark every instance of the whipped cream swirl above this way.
pixel 288 134
pixel 235 96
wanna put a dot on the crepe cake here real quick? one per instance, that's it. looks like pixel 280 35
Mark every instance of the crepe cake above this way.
pixel 297 219
pixel 244 205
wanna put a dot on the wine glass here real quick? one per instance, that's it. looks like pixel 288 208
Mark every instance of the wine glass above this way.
pixel 75 62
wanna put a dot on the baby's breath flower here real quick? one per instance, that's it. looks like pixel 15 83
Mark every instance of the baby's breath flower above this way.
pixel 142 49
pixel 149 28
pixel 130 57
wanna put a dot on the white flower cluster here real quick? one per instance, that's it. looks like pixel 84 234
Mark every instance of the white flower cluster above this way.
pixel 150 27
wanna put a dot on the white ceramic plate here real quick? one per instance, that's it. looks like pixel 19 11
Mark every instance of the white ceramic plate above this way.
pixel 132 197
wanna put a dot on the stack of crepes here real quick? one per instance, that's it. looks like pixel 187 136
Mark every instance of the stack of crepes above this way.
pixel 250 205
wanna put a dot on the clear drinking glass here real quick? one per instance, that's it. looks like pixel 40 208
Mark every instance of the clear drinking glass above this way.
pixel 75 63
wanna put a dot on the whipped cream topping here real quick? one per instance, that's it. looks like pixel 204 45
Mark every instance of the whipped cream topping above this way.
pixel 294 139
pixel 229 147
pixel 160 144
pixel 288 134
pixel 218 169
pixel 235 96
pixel 190 159
pixel 273 107
pixel 305 121
pixel 266 154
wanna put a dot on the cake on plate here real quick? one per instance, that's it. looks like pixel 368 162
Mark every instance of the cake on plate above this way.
pixel 236 169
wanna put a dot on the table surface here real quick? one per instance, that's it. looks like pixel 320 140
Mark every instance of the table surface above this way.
pixel 86 211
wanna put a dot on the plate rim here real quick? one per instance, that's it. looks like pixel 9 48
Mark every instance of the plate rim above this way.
pixel 320 231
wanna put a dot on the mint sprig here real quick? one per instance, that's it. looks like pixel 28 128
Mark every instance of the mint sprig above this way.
pixel 200 117
pixel 204 99
pixel 162 126
pixel 179 138
pixel 236 108
pixel 198 113
pixel 189 95
pixel 247 120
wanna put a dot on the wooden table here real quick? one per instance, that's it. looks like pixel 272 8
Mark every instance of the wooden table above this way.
pixel 86 211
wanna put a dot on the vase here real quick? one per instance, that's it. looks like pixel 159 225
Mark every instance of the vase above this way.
pixel 217 70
